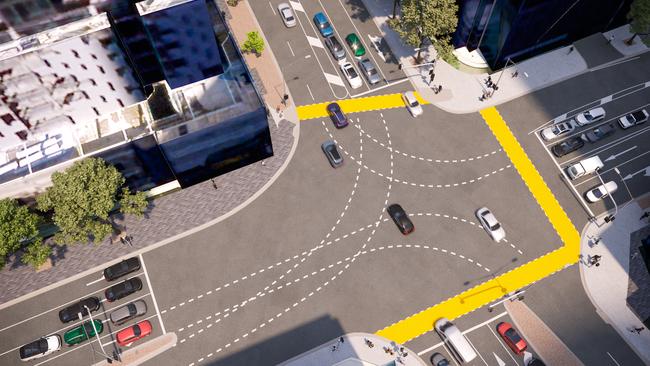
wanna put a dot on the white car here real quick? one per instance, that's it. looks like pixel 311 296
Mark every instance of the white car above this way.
pixel 490 224
pixel 600 192
pixel 591 116
pixel 40 348
pixel 287 15
pixel 351 74
pixel 555 131
pixel 633 119
pixel 412 103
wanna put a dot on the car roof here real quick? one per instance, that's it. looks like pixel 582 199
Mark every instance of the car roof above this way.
pixel 410 96
pixel 320 17
pixel 352 37
pixel 597 111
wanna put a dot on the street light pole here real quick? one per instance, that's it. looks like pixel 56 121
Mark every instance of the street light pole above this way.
pixel 92 322
pixel 609 217
pixel 626 187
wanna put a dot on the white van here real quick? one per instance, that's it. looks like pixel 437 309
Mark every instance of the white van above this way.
pixel 454 338
pixel 583 167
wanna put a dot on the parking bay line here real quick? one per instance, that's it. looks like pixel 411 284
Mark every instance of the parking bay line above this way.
pixel 153 297
pixel 502 345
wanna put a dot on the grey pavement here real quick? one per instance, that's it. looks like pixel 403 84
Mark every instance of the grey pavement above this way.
pixel 597 50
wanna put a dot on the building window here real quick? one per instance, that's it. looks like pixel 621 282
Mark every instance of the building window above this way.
pixel 7 118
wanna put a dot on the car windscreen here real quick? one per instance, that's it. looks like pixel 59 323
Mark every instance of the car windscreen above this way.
pixel 335 153
pixel 353 73
pixel 510 333
pixel 495 226
pixel 324 25
pixel 339 115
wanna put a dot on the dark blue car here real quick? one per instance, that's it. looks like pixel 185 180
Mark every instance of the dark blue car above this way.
pixel 337 116
pixel 323 25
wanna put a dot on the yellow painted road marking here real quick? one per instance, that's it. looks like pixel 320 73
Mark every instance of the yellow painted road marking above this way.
pixel 355 105
pixel 517 278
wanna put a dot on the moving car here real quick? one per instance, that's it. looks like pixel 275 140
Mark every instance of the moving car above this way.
pixel 590 116
pixel 351 74
pixel 128 312
pixel 490 224
pixel 71 312
pixel 323 25
pixel 287 15
pixel 401 219
pixel 40 347
pixel 123 289
pixel 567 146
pixel 452 336
pixel 133 333
pixel 412 103
pixel 337 115
pixel 369 70
pixel 598 193
pixel 511 337
pixel 335 47
pixel 81 332
pixel 120 269
pixel 355 44
pixel 599 133
pixel 439 360
pixel 633 119
pixel 557 130
pixel 332 153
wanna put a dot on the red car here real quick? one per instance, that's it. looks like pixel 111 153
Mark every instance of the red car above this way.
pixel 512 338
pixel 133 333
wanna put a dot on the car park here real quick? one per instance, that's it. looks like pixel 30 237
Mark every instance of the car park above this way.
pixel 412 103
pixel 82 332
pixel 123 268
pixel 40 347
pixel 351 75
pixel 490 224
pixel 633 119
pixel 355 44
pixel 287 15
pixel 567 146
pixel 129 311
pixel 453 337
pixel 133 333
pixel 123 289
pixel 401 219
pixel 439 360
pixel 598 193
pixel 71 312
pixel 590 116
pixel 599 133
pixel 335 47
pixel 557 130
pixel 323 25
pixel 369 70
pixel 336 115
pixel 332 153
pixel 511 338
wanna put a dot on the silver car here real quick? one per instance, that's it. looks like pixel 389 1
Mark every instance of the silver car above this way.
pixel 332 153
pixel 335 47
pixel 369 71
pixel 287 15
pixel 490 224
pixel 591 116
pixel 412 103
pixel 128 312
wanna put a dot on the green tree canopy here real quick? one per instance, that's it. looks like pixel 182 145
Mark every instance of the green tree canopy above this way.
pixel 17 223
pixel 254 43
pixel 639 16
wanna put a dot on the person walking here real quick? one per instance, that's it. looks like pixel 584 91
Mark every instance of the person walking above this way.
pixel 595 260
pixel 645 215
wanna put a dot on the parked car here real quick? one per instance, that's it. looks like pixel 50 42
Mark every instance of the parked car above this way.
pixel 133 333
pixel 336 115
pixel 71 312
pixel 287 15
pixel 401 219
pixel 355 44
pixel 599 133
pixel 323 25
pixel 335 47
pixel 120 269
pixel 490 224
pixel 598 193
pixel 567 146
pixel 590 116
pixel 633 119
pixel 129 311
pixel 369 70
pixel 351 75
pixel 123 289
pixel 412 103
pixel 511 337
pixel 82 332
pixel 40 347
pixel 332 153
pixel 557 130
pixel 439 360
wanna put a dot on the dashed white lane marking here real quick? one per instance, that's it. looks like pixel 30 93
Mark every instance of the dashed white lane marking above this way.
pixel 315 42
pixel 333 79
pixel 296 6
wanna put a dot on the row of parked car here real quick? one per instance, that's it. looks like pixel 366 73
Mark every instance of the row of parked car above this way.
pixel 88 329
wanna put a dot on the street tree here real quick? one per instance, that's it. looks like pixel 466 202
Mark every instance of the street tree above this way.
pixel 36 254
pixel 639 17
pixel 254 43
pixel 17 225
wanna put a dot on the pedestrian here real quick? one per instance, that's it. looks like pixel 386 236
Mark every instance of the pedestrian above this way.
pixel 597 241
pixel 369 343
pixel 570 50
pixel 431 77
pixel 636 330
pixel 515 74
pixel 645 214
pixel 611 39
pixel 439 88
pixel 595 260
pixel 214 184
pixel 341 340
pixel 122 240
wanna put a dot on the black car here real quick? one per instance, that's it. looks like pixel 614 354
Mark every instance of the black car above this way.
pixel 72 312
pixel 337 116
pixel 335 47
pixel 404 224
pixel 120 269
pixel 599 133
pixel 123 289
pixel 567 146
pixel 40 348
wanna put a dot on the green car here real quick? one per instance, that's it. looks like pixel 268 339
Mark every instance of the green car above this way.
pixel 355 44
pixel 78 335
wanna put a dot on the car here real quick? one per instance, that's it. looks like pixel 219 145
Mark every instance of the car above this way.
pixel 355 44
pixel 412 103
pixel 332 153
pixel 439 360
pixel 323 25
pixel 71 312
pixel 123 268
pixel 633 119
pixel 590 116
pixel 82 332
pixel 133 333
pixel 598 193
pixel 351 75
pixel 534 362
pixel 336 115
pixel 40 347
pixel 511 337
pixel 129 311
pixel 557 130
pixel 287 15
pixel 599 133
pixel 567 146
pixel 123 289
pixel 369 70
pixel 335 47
pixel 401 219
pixel 490 224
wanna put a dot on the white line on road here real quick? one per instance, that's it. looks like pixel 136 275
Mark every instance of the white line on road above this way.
pixel 307 56
pixel 315 42
pixel 612 157
pixel 607 146
pixel 153 297
pixel 297 6
pixel 609 170
pixel 310 93
pixel 291 49
pixel 95 281
pixel 272 9
pixel 502 345
pixel 612 357
pixel 379 88
pixel 334 79
pixel 477 352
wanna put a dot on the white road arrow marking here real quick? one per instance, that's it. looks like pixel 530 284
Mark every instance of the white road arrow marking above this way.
pixel 612 157
pixel 315 42
pixel 646 170
pixel 296 6
pixel 334 79
pixel 499 361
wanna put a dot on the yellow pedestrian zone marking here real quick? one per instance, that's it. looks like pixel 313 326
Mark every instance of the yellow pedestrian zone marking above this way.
pixel 355 105
pixel 512 280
